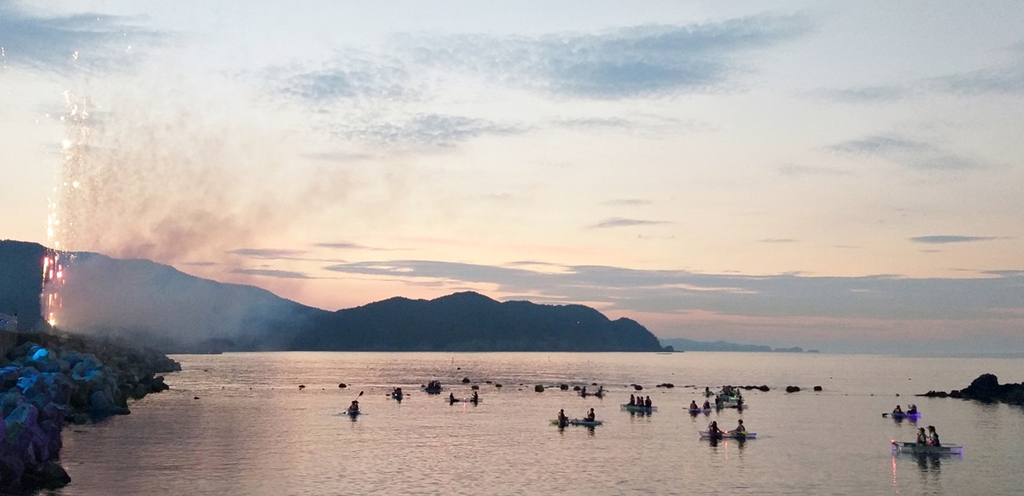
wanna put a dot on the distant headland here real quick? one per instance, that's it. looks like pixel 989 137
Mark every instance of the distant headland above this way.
pixel 682 344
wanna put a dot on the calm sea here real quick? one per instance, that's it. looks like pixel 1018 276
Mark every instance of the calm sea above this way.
pixel 253 431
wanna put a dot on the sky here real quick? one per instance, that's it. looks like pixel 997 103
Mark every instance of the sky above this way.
pixel 839 176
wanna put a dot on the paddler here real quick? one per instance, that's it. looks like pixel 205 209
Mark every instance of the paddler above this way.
pixel 740 429
pixel 713 431
pixel 591 416
pixel 707 405
pixel 562 419
pixel 475 398
pixel 933 437
pixel 897 410
pixel 922 438
pixel 354 407
pixel 693 405
pixel 632 400
pixel 647 402
pixel 451 398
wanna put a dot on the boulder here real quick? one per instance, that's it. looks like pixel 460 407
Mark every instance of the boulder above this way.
pixel 792 389
pixel 817 388
pixel 538 388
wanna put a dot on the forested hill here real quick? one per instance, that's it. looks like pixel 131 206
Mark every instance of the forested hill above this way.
pixel 472 322
pixel 161 307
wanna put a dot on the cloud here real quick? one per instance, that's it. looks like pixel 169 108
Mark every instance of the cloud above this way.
pixel 673 291
pixel 802 170
pixel 282 274
pixel 627 202
pixel 637 61
pixel 1009 80
pixel 59 43
pixel 777 240
pixel 949 239
pixel 423 130
pixel 863 94
pixel 348 77
pixel 264 253
pixel 623 222
pixel 909 153
pixel 880 144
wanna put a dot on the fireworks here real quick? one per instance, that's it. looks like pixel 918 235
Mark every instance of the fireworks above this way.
pixel 60 222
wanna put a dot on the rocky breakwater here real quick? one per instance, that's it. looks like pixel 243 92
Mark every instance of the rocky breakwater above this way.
pixel 985 388
pixel 48 381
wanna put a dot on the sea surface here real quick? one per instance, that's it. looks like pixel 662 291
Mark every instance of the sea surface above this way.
pixel 238 423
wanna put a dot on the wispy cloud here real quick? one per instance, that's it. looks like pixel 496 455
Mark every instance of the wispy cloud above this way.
pixel 281 274
pixel 627 202
pixel 863 94
pixel 777 240
pixel 950 239
pixel 267 253
pixel 680 291
pixel 423 130
pixel 638 61
pixel 350 76
pixel 86 41
pixel 910 153
pixel 1008 79
pixel 803 170
pixel 623 222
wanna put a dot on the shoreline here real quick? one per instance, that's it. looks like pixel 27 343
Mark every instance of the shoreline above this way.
pixel 50 380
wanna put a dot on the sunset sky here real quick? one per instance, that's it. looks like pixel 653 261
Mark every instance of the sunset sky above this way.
pixel 842 176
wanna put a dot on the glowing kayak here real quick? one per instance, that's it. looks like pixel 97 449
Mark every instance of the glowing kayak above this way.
pixel 945 449
pixel 901 415
pixel 577 421
pixel 730 435
pixel 639 408
pixel 698 411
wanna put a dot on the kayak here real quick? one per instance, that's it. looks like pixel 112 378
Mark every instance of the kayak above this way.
pixel 901 415
pixel 463 400
pixel 577 421
pixel 430 390
pixel 945 449
pixel 730 435
pixel 639 408
pixel 352 413
pixel 698 411
pixel 397 396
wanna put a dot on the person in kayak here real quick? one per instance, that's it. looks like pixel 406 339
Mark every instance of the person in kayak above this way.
pixel 451 398
pixel 912 409
pixel 707 391
pixel 476 398
pixel 740 429
pixel 707 405
pixel 647 402
pixel 693 405
pixel 719 402
pixel 354 407
pixel 591 416
pixel 632 400
pixel 922 438
pixel 933 437
pixel 713 431
pixel 897 410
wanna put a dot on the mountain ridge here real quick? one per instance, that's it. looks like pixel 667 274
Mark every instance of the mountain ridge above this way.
pixel 160 306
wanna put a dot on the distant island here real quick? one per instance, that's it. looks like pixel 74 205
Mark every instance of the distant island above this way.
pixel 173 312
pixel 682 344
